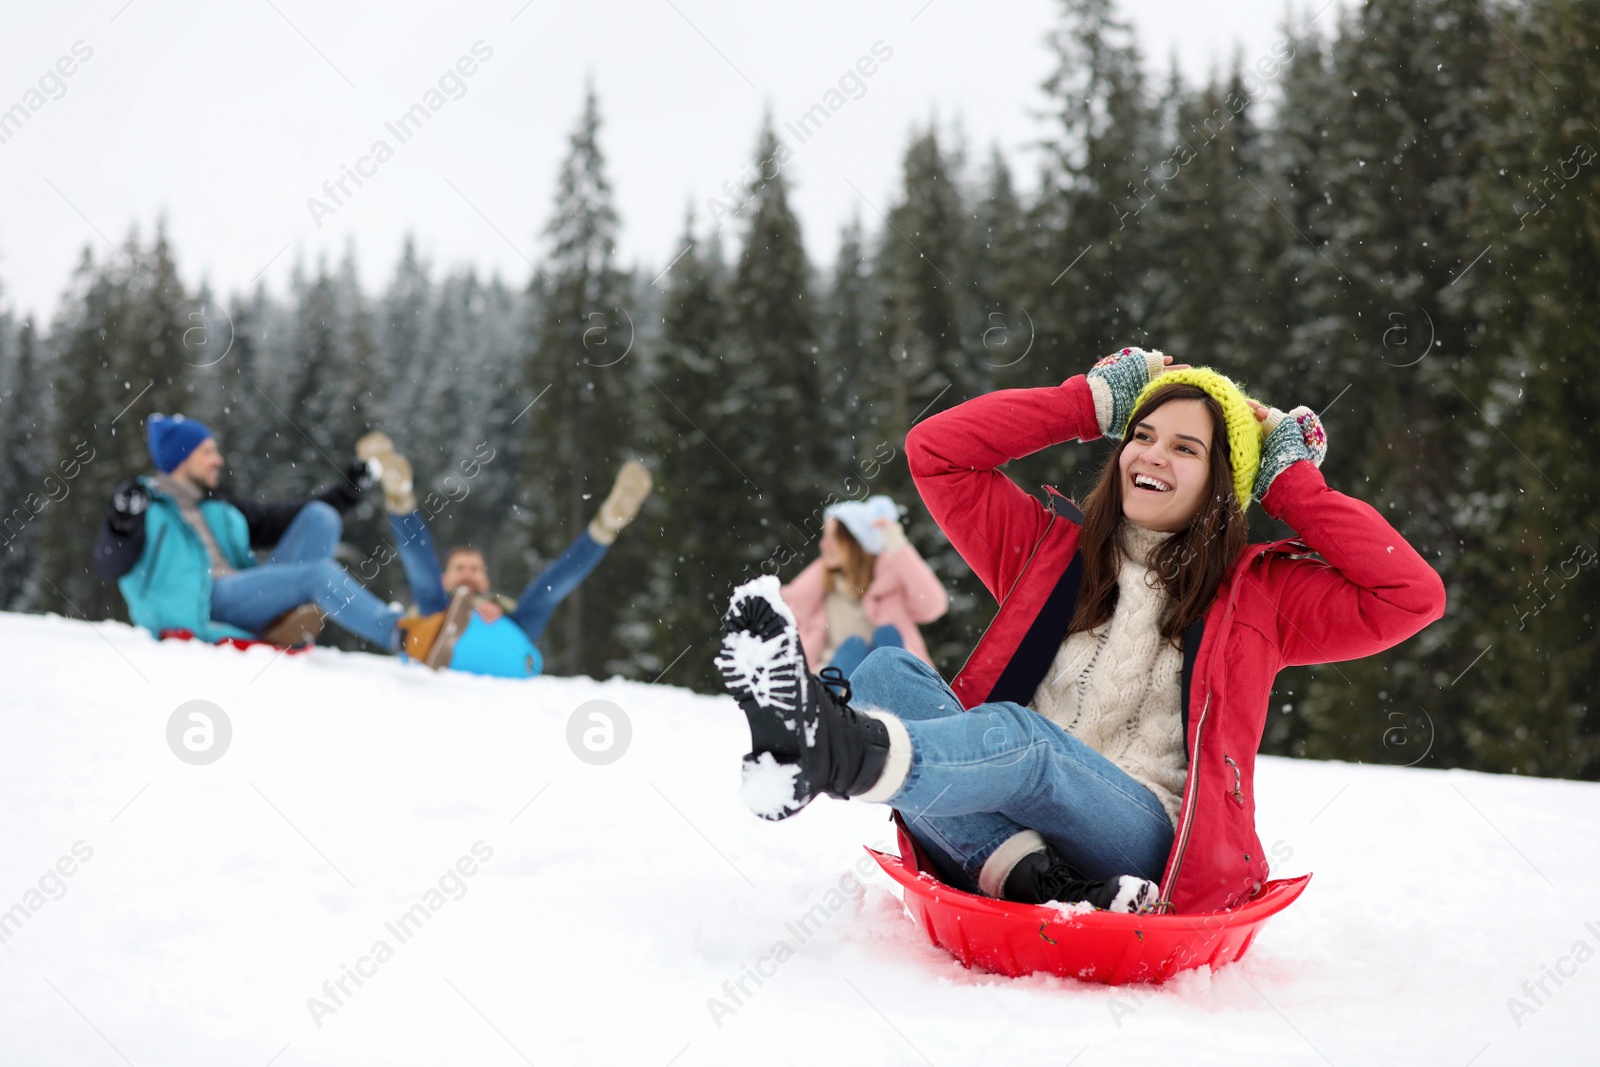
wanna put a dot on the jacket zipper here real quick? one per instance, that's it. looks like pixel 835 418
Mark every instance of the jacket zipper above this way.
pixel 1029 561
pixel 1165 903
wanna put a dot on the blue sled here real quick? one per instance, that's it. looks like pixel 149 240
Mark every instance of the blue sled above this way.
pixel 498 648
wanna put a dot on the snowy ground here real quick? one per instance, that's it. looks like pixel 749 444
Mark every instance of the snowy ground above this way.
pixel 607 905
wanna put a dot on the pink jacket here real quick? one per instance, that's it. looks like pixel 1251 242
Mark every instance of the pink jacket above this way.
pixel 904 592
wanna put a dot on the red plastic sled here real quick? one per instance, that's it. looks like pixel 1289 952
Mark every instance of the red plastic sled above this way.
pixel 1097 946
pixel 233 642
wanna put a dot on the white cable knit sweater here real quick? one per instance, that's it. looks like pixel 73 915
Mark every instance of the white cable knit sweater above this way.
pixel 1116 687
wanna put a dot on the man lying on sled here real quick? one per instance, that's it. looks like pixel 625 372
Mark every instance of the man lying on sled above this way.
pixel 459 622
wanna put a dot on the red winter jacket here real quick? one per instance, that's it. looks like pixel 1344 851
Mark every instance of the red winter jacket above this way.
pixel 1279 607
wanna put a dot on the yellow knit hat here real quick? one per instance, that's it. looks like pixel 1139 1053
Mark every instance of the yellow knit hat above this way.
pixel 1244 430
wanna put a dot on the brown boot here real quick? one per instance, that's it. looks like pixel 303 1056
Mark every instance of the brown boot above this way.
pixel 618 509
pixel 417 633
pixel 431 639
pixel 297 626
pixel 394 472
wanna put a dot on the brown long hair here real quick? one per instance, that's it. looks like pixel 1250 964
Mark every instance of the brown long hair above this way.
pixel 859 564
pixel 1193 561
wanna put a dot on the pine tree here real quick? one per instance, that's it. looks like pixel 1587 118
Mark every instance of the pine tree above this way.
pixel 1393 230
pixel 475 354
pixel 28 481
pixel 1526 576
pixel 316 394
pixel 359 400
pixel 121 358
pixel 495 401
pixel 1090 262
pixel 704 506
pixel 947 324
pixel 400 330
pixel 14 473
pixel 1000 266
pixel 580 429
pixel 778 368
pixel 159 311
pixel 1091 291
pixel 446 409
pixel 929 310
pixel 249 431
pixel 856 387
pixel 360 351
pixel 1288 227
pixel 1203 226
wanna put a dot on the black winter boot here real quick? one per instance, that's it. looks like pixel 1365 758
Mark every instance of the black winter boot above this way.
pixel 1044 876
pixel 804 739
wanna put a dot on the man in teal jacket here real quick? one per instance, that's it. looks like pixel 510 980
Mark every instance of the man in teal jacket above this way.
pixel 181 549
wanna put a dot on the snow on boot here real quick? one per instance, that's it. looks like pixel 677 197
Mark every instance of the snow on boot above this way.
pixel 627 494
pixel 393 471
pixel 1043 876
pixel 803 739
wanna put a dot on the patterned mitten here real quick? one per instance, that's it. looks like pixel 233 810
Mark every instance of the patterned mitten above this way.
pixel 1116 382
pixel 1288 437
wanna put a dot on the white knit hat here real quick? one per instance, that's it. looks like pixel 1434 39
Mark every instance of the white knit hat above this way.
pixel 858 517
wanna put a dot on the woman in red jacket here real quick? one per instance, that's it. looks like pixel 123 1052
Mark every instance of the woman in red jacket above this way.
pixel 868 588
pixel 1099 744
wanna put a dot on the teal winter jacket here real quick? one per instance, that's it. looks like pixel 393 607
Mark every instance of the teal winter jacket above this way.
pixel 169 587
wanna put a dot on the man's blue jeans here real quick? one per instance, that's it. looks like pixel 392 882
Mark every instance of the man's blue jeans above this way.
pixel 852 651
pixel 301 570
pixel 539 599
pixel 979 777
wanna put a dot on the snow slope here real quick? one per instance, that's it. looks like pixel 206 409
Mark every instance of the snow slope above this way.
pixel 607 905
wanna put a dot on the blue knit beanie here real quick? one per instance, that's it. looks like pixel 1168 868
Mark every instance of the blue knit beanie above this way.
pixel 858 517
pixel 172 438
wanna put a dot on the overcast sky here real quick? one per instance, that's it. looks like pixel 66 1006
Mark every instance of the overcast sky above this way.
pixel 227 118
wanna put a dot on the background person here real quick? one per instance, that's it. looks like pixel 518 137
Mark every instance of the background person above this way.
pixel 180 548
pixel 869 588
pixel 448 596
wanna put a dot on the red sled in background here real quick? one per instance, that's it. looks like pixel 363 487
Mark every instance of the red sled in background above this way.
pixel 235 642
pixel 1092 946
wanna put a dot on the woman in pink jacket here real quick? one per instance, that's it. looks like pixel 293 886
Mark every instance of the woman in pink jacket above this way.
pixel 1100 742
pixel 868 589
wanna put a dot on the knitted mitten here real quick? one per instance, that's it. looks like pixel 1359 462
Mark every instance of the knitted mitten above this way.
pixel 393 471
pixel 1116 381
pixel 1288 437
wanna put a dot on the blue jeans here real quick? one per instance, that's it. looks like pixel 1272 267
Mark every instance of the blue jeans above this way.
pixel 301 570
pixel 981 776
pixel 853 650
pixel 538 600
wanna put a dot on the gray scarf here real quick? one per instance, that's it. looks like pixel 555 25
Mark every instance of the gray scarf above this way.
pixel 187 497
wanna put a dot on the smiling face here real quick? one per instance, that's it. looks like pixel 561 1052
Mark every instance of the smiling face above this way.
pixel 1166 465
